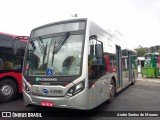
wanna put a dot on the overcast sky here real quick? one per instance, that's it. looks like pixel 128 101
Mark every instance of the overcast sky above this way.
pixel 137 20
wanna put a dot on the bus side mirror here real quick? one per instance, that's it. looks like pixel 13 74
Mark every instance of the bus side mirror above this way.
pixel 99 51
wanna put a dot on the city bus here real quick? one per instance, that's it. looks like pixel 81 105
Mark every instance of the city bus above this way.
pixel 151 59
pixel 75 64
pixel 12 48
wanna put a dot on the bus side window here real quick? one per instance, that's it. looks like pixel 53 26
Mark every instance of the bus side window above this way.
pixel 1 64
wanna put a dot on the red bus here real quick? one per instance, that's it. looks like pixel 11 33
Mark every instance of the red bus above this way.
pixel 12 48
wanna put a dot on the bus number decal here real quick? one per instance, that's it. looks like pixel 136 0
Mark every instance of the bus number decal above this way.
pixel 56 91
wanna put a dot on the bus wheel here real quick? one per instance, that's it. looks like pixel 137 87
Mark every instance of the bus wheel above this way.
pixel 8 89
pixel 112 91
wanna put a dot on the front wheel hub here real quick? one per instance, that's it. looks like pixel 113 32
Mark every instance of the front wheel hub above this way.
pixel 6 90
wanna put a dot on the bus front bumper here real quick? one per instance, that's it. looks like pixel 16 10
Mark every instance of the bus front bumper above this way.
pixel 59 102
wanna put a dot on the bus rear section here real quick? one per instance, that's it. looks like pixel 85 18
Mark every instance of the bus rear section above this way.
pixel 70 64
pixel 11 60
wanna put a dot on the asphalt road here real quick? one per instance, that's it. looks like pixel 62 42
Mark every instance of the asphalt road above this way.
pixel 143 96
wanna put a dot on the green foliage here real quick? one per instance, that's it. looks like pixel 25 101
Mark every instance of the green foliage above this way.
pixel 124 52
pixel 140 51
pixel 154 48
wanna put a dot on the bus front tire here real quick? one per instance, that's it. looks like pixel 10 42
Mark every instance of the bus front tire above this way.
pixel 112 91
pixel 8 89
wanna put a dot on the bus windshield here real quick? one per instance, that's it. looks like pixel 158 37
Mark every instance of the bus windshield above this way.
pixel 55 55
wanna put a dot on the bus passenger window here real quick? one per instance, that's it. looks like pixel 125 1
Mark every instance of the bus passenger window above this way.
pixel 1 64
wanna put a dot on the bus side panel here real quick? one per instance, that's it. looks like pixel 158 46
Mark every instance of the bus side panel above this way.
pixel 100 91
pixel 125 78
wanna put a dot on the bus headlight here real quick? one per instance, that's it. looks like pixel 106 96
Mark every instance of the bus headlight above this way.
pixel 76 89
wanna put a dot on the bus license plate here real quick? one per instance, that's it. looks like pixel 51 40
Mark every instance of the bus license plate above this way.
pixel 49 104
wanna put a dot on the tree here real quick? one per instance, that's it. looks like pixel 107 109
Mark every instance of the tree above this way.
pixel 140 51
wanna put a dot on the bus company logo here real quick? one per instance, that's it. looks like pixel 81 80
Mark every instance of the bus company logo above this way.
pixel 38 79
pixel 45 90
pixel 46 79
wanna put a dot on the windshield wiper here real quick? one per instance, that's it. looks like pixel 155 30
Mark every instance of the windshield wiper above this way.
pixel 41 45
pixel 44 55
pixel 59 45
pixel 61 42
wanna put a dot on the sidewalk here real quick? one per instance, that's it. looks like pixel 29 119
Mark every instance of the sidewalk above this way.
pixel 148 79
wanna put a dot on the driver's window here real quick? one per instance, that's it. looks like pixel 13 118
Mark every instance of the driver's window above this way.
pixel 95 65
